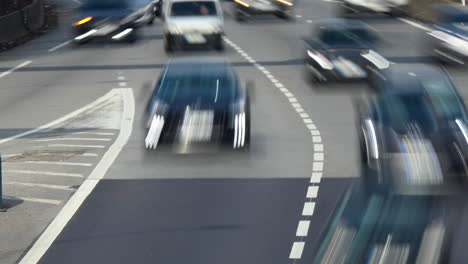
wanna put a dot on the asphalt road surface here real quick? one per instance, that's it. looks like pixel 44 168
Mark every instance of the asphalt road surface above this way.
pixel 272 204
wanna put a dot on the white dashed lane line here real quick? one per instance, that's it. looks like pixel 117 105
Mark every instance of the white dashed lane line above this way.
pixel 5 73
pixel 59 46
pixel 319 156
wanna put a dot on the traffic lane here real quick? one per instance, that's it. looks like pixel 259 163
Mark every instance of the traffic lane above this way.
pixel 176 221
pixel 330 106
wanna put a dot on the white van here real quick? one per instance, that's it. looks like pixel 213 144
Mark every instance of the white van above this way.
pixel 192 22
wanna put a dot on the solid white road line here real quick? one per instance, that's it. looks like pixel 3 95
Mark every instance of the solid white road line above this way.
pixel 47 186
pixel 48 173
pixel 73 139
pixel 9 155
pixel 60 163
pixel 3 74
pixel 414 24
pixel 62 119
pixel 303 228
pixel 95 133
pixel 296 250
pixel 37 200
pixel 75 146
pixel 89 154
pixel 309 208
pixel 59 46
pixel 55 228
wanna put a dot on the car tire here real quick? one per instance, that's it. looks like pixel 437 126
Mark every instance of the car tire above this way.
pixel 218 43
pixel 168 44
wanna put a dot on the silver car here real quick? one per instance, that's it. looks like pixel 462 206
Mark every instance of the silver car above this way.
pixel 193 22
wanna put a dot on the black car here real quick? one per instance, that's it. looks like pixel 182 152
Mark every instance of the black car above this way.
pixel 198 101
pixel 381 228
pixel 414 133
pixel 244 9
pixel 448 39
pixel 343 49
pixel 113 20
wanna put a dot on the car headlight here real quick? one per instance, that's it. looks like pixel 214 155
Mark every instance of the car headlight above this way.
pixel 285 2
pixel 321 60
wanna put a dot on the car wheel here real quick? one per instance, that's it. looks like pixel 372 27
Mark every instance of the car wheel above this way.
pixel 168 45
pixel 218 43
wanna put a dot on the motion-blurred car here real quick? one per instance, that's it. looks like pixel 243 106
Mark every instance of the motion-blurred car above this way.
pixel 198 101
pixel 244 9
pixel 389 7
pixel 414 133
pixel 343 49
pixel 448 39
pixel 388 229
pixel 193 22
pixel 114 20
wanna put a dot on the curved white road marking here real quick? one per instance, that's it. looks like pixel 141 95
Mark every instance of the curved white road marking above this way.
pixel 317 165
pixel 58 224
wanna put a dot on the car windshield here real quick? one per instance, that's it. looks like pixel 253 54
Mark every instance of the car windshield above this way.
pixel 214 86
pixel 199 8
pixel 338 38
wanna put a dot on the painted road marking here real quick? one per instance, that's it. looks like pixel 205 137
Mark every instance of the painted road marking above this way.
pixel 309 208
pixel 60 163
pixel 296 250
pixel 24 64
pixel 47 186
pixel 95 133
pixel 309 21
pixel 303 228
pixel 89 154
pixel 122 84
pixel 46 239
pixel 59 46
pixel 37 200
pixel 317 165
pixel 414 24
pixel 76 146
pixel 48 173
pixel 73 139
pixel 121 78
pixel 62 119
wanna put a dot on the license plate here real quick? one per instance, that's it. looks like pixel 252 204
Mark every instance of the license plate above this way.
pixel 106 30
pixel 194 38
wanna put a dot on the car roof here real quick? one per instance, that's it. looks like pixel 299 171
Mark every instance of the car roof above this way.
pixel 196 63
pixel 406 78
pixel 341 23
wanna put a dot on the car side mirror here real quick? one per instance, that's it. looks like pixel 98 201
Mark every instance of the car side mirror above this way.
pixel 250 89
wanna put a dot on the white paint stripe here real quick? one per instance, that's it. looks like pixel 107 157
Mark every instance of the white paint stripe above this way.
pixel 309 21
pixel 315 132
pixel 288 94
pixel 269 76
pixel 300 110
pixel 3 74
pixel 62 119
pixel 76 146
pixel 9 155
pixel 308 121
pixel 89 155
pixel 318 147
pixel 303 228
pixel 317 139
pixel 47 173
pixel 317 166
pixel 274 80
pixel 316 177
pixel 122 84
pixel 414 24
pixel 73 139
pixel 304 115
pixel 297 105
pixel 310 126
pixel 298 16
pixel 296 250
pixel 47 186
pixel 59 46
pixel 266 72
pixel 60 163
pixel 309 208
pixel 55 228
pixel 292 100
pixel 319 156
pixel 96 133
pixel 279 85
pixel 121 78
pixel 37 200
pixel 284 90
pixel 312 192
